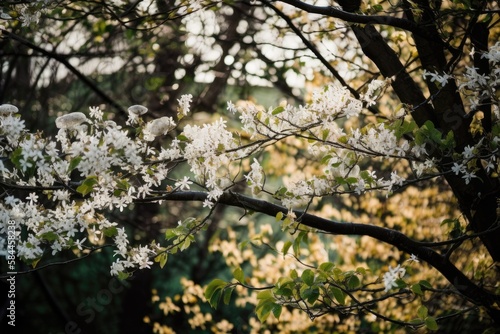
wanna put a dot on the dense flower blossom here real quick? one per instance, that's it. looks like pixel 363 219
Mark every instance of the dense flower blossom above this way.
pixel 115 168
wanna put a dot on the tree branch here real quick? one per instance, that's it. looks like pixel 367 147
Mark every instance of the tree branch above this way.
pixel 66 63
pixel 462 283
pixel 365 19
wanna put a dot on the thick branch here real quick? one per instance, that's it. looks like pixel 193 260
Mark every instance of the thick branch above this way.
pixel 364 19
pixel 461 282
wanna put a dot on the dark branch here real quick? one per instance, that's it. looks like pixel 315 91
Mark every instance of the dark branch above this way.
pixel 364 19
pixel 62 59
pixel 461 282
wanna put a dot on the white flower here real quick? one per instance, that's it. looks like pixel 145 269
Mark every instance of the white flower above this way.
pixel 373 91
pixel 96 113
pixel 468 152
pixel 413 258
pixel 360 186
pixel 25 163
pixel 71 120
pixel 442 79
pixel 33 198
pixel 116 268
pixel 458 168
pixel 256 177
pixel 208 204
pixel 79 243
pixel 184 103
pixel 8 109
pixel 231 107
pixel 468 176
pixel 183 184
pixel 391 276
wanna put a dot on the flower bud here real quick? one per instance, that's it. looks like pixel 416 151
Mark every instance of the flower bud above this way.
pixel 160 126
pixel 70 120
pixel 137 110
pixel 8 109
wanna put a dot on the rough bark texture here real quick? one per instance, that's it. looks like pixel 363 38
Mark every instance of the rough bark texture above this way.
pixel 479 199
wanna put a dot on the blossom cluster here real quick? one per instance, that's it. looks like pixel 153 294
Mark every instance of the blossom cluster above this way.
pixel 27 13
pixel 60 190
pixel 76 179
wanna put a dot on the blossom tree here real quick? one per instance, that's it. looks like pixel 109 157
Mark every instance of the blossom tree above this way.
pixel 330 172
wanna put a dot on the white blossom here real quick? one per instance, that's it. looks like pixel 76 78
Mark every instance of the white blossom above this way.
pixel 183 184
pixel 392 276
pixel 184 104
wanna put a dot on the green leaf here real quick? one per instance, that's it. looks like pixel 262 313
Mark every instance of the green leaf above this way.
pixel 277 311
pixel 170 234
pixel 425 284
pixel 73 163
pixel 186 243
pixel 326 158
pixel 338 294
pixel 87 185
pixel 182 137
pixel 213 291
pixel 111 232
pixel 308 277
pixel 49 236
pixel 431 324
pixel 242 245
pixel 361 271
pixel 123 276
pixel 283 291
pixel 278 110
pixel 324 134
pixel 310 294
pixel 422 312
pixel 265 294
pixel 239 275
pixel 286 247
pixel 351 180
pixel 263 309
pixel 296 243
pixel 417 289
pixel 279 216
pixel 353 282
pixel 280 192
pixel 404 128
pixel 227 295
pixel 326 266
pixel 35 262
pixel 162 259
pixel 16 156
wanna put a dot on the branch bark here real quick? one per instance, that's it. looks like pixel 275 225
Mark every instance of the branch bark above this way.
pixel 459 280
